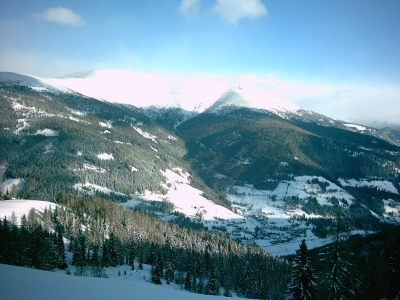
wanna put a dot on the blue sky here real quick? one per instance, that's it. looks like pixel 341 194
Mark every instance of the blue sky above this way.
pixel 351 47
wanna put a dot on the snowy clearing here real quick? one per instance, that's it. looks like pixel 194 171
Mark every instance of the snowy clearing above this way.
pixel 24 283
pixel 358 127
pixel 47 132
pixel 21 207
pixel 379 184
pixel 105 156
pixel 145 134
pixel 94 187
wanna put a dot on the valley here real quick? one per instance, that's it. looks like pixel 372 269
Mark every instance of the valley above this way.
pixel 236 172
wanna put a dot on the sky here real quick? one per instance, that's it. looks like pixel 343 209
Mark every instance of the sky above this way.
pixel 340 58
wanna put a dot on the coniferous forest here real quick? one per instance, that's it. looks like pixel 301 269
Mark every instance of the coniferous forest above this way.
pixel 101 234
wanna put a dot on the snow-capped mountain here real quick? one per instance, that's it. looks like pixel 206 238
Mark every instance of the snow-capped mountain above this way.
pixel 36 83
pixel 236 97
pixel 264 158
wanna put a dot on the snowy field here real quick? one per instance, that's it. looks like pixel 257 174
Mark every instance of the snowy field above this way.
pixel 21 207
pixel 24 283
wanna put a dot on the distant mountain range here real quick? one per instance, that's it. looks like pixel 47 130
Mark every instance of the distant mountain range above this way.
pixel 102 132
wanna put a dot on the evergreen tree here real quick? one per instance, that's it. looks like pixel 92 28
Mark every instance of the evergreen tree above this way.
pixel 188 281
pixel 97 263
pixel 170 267
pixel 343 279
pixel 302 284
pixel 157 270
pixel 212 285
pixel 79 255
pixel 60 250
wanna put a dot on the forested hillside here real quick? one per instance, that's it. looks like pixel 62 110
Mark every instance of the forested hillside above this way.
pixel 247 145
pixel 57 140
pixel 101 234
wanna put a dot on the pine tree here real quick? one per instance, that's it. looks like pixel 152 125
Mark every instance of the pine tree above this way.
pixel 97 263
pixel 302 284
pixel 343 279
pixel 212 286
pixel 158 269
pixel 79 255
pixel 188 281
pixel 60 250
pixel 169 267
pixel 113 252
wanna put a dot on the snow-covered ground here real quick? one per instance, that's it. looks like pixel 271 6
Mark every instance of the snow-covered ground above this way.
pixel 24 283
pixel 282 232
pixel 186 199
pixel 262 216
pixel 21 207
pixel 105 156
pixel 379 184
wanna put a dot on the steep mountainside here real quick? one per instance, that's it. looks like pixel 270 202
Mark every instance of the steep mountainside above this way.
pixel 57 139
pixel 256 146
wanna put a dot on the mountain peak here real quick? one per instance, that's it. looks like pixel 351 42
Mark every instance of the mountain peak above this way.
pixel 236 97
pixel 231 98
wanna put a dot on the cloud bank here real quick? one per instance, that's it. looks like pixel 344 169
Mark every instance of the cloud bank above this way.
pixel 362 104
pixel 235 10
pixel 62 16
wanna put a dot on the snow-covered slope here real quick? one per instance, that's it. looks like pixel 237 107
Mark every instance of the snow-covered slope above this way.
pixel 24 283
pixel 236 97
pixel 36 83
pixel 22 207
pixel 187 199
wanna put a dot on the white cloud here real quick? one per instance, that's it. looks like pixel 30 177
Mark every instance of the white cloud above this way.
pixel 62 16
pixel 188 7
pixel 235 10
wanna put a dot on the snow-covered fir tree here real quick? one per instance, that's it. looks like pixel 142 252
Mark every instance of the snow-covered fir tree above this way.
pixel 302 284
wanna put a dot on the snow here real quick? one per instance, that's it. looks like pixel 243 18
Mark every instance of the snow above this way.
pixel 8 183
pixel 145 134
pixel 236 97
pixel 290 248
pixel 107 125
pixel 105 156
pixel 47 132
pixel 172 138
pixel 21 207
pixel 358 127
pixel 94 187
pixel 380 184
pixel 272 202
pixel 36 83
pixel 24 283
pixel 187 199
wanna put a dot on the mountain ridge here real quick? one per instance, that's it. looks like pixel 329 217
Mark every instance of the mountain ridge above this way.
pixel 261 164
